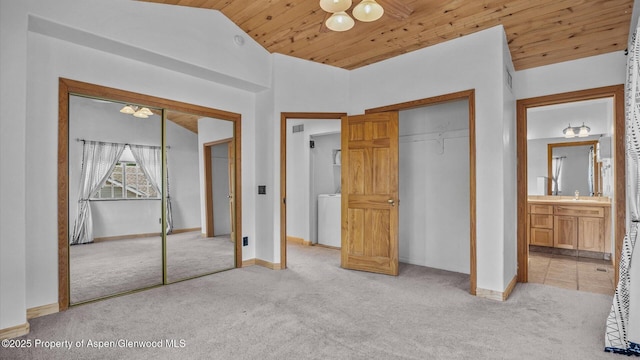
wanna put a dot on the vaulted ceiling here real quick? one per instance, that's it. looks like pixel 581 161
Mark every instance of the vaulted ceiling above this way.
pixel 539 32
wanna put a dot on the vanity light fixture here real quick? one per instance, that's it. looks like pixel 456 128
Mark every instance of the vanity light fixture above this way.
pixel 579 131
pixel 366 11
pixel 137 111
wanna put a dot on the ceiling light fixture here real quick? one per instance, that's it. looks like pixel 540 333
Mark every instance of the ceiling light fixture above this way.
pixel 340 21
pixel 579 131
pixel 137 111
pixel 366 11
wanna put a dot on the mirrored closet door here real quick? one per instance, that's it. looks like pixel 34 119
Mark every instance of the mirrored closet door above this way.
pixel 200 187
pixel 139 216
pixel 115 198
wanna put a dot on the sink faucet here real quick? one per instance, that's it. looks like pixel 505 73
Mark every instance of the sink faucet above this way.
pixel 577 193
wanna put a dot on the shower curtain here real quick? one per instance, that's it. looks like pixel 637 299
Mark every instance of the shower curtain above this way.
pixel 622 310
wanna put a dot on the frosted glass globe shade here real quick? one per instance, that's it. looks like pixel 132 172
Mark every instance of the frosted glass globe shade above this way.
pixel 334 6
pixel 340 21
pixel 368 10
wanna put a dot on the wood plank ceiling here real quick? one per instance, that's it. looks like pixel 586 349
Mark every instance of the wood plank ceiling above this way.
pixel 539 32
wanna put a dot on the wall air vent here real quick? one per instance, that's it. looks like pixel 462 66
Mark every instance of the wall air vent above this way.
pixel 298 128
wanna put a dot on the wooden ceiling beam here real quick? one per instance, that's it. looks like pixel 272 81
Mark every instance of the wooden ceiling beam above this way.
pixel 396 9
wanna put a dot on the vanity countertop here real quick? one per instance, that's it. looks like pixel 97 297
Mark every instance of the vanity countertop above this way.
pixel 570 200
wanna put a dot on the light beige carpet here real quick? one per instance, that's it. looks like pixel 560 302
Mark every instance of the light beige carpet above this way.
pixel 316 310
pixel 111 267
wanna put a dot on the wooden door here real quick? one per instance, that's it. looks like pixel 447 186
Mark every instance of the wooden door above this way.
pixel 370 193
pixel 591 234
pixel 565 232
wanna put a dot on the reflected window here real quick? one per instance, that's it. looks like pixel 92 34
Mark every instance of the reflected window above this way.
pixel 127 181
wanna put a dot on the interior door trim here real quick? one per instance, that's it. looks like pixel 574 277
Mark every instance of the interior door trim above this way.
pixel 67 87
pixel 617 93
pixel 468 95
pixel 283 169
pixel 208 181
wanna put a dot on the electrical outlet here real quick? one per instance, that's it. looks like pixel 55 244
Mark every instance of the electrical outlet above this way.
pixel 262 189
pixel 245 241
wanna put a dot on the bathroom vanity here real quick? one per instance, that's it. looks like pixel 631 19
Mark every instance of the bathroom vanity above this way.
pixel 582 227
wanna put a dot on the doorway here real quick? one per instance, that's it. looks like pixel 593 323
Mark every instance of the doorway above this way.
pixel 303 191
pixel 468 95
pixel 616 93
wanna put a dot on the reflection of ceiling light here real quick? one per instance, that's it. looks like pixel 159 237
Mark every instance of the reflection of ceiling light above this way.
pixel 137 111
pixel 366 10
pixel 128 109
pixel 579 131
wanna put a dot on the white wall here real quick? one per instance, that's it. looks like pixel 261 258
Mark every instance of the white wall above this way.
pixel 13 109
pixel 509 186
pixel 302 86
pixel 47 59
pixel 434 186
pixel 301 218
pixel 470 62
pixel 183 166
pixel 586 73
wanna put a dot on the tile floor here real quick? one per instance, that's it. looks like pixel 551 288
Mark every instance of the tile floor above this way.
pixel 572 272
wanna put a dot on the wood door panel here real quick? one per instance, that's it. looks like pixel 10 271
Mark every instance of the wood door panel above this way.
pixel 542 237
pixel 356 220
pixel 370 193
pixel 591 234
pixel 380 131
pixel 565 232
pixel 541 221
pixel 380 173
pixel 356 132
pixel 379 232
pixel 356 170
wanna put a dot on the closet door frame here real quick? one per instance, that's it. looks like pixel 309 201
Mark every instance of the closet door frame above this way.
pixel 68 87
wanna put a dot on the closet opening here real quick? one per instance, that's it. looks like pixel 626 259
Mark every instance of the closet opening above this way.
pixel 426 147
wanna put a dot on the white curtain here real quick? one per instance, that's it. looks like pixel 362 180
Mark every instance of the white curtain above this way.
pixel 556 164
pixel 618 324
pixel 149 158
pixel 98 161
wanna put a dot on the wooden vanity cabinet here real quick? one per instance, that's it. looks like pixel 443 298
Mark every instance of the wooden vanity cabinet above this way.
pixel 541 225
pixel 565 225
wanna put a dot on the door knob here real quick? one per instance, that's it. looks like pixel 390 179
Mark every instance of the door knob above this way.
pixel 391 202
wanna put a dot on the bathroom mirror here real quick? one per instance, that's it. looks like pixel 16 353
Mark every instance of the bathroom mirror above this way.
pixel 573 168
pixel 546 140
pixel 200 163
pixel 115 242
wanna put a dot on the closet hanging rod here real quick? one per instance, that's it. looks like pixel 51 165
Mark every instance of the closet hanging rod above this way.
pixel 116 143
